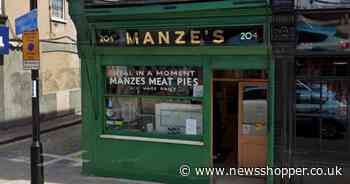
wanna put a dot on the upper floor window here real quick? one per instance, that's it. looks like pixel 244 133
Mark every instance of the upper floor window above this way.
pixel 57 9
pixel 1 6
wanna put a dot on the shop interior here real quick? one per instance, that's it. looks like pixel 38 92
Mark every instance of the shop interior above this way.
pixel 239 121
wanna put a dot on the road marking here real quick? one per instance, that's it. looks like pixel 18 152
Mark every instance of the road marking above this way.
pixel 20 159
pixel 56 158
pixel 68 157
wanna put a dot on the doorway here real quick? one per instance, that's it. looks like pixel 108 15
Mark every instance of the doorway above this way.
pixel 240 121
pixel 225 128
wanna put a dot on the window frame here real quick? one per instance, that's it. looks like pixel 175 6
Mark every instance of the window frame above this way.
pixel 321 152
pixel 146 135
pixel 58 19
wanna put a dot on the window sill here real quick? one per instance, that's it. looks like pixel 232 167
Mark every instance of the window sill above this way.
pixel 154 140
pixel 58 20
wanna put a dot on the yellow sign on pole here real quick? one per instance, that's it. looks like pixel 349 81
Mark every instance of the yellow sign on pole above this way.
pixel 31 50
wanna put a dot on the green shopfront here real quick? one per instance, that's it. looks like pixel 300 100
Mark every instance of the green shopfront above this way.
pixel 173 83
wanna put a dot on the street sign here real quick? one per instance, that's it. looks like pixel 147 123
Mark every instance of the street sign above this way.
pixel 4 40
pixel 31 50
pixel 27 22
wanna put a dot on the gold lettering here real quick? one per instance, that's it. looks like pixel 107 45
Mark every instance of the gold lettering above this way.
pixel 132 40
pixel 148 39
pixel 195 37
pixel 163 38
pixel 179 37
pixel 218 36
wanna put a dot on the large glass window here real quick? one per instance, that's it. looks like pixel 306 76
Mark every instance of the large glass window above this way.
pixel 317 32
pixel 321 4
pixel 154 99
pixel 322 101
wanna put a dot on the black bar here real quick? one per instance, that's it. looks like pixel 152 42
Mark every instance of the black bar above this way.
pixel 36 150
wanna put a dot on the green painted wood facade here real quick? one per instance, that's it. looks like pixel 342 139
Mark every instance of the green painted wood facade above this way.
pixel 150 160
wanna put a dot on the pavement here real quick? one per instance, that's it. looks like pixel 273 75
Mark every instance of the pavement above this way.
pixel 23 131
pixel 62 156
pixel 62 153
pixel 62 160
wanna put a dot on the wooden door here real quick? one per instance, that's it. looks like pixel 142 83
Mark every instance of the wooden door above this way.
pixel 252 147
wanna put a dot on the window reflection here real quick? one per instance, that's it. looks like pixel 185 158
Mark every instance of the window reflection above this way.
pixel 322 115
pixel 254 110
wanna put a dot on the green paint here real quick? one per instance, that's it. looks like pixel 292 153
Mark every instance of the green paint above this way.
pixel 160 161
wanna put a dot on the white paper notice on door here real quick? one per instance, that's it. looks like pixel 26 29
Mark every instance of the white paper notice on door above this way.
pixel 191 127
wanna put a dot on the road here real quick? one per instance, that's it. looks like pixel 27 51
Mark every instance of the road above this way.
pixel 62 160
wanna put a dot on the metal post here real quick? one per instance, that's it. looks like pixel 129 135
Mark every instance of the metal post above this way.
pixel 37 169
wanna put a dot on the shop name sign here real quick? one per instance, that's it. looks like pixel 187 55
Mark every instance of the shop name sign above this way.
pixel 173 81
pixel 221 36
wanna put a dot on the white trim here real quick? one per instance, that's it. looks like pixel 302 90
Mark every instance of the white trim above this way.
pixel 155 140
pixel 60 20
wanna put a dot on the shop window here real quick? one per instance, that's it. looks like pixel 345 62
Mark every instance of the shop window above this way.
pixel 316 32
pixel 321 4
pixel 169 116
pixel 322 113
pixel 154 99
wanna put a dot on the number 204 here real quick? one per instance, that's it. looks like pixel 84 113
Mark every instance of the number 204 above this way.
pixel 106 39
pixel 249 36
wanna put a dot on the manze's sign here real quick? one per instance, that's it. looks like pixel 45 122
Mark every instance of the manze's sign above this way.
pixel 220 36
pixel 156 80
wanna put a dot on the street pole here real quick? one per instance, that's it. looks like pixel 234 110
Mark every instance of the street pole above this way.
pixel 36 158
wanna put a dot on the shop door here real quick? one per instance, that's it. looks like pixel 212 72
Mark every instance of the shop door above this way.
pixel 252 147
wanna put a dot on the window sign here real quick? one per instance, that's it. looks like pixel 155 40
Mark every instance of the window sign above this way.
pixel 155 81
pixel 324 33
pixel 129 107
pixel 322 4
pixel 220 36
